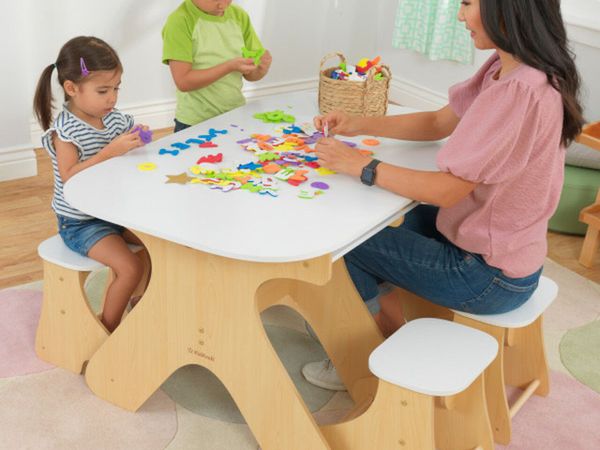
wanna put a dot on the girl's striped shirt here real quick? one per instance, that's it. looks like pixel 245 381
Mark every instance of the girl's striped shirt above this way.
pixel 88 140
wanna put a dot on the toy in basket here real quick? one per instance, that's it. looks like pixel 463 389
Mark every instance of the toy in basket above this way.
pixel 354 95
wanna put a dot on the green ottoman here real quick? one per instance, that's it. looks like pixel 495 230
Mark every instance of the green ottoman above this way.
pixel 579 190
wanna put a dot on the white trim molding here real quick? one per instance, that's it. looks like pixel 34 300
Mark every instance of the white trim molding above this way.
pixel 160 114
pixel 407 93
pixel 17 162
pixel 582 21
pixel 20 162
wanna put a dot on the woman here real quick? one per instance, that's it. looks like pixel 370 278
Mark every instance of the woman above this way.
pixel 480 242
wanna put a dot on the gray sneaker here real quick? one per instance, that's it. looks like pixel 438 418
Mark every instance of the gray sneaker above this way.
pixel 323 374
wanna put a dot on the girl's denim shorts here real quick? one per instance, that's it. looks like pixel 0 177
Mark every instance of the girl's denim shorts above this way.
pixel 81 235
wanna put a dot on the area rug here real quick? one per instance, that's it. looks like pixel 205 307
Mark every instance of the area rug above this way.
pixel 48 408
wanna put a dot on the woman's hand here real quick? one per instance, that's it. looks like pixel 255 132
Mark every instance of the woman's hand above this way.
pixel 336 155
pixel 339 122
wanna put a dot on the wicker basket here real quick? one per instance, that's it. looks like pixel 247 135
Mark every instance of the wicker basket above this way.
pixel 366 98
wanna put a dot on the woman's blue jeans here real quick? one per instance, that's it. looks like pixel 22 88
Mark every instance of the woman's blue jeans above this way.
pixel 416 257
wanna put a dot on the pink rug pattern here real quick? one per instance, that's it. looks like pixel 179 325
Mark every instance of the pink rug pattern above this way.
pixel 567 419
pixel 44 408
pixel 56 410
pixel 19 315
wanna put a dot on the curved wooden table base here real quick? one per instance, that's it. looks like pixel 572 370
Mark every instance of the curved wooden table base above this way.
pixel 205 309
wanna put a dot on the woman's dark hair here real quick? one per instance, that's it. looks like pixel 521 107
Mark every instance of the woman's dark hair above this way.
pixel 96 54
pixel 533 31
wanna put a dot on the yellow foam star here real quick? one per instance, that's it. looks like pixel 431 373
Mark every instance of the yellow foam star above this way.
pixel 182 178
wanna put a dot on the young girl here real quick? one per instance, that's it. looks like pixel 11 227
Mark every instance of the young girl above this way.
pixel 480 242
pixel 87 131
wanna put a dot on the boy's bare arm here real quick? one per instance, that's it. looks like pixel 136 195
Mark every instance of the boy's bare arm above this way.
pixel 188 79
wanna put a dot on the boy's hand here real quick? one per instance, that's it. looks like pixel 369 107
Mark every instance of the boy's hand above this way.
pixel 124 143
pixel 265 62
pixel 338 122
pixel 242 65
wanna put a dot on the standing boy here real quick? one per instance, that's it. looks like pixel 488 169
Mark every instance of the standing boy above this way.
pixel 202 44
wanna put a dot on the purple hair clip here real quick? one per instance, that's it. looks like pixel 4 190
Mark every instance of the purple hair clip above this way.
pixel 84 70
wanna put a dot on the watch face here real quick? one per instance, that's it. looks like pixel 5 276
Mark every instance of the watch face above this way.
pixel 368 176
pixel 368 173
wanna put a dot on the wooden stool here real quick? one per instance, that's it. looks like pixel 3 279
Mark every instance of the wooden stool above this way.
pixel 68 332
pixel 521 359
pixel 430 394
pixel 591 216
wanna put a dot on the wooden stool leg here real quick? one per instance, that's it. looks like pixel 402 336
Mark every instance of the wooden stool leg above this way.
pixel 68 333
pixel 397 419
pixel 495 389
pixel 525 359
pixel 462 421
pixel 590 246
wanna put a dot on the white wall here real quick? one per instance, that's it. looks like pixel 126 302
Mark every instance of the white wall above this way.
pixel 298 33
pixel 422 83
pixel 17 158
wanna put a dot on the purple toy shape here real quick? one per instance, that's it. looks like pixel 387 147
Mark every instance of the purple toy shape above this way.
pixel 320 185
pixel 145 135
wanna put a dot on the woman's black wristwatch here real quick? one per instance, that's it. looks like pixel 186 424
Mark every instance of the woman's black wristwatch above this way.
pixel 368 173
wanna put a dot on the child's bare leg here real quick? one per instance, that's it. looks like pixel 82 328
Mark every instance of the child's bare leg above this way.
pixel 147 266
pixel 127 267
pixel 390 317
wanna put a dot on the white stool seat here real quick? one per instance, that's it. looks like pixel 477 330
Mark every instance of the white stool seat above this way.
pixel 55 251
pixel 525 314
pixel 433 356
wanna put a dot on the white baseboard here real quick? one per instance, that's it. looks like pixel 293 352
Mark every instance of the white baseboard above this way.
pixel 161 114
pixel 406 93
pixel 17 162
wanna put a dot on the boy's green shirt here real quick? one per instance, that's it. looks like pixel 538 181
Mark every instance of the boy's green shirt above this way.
pixel 191 35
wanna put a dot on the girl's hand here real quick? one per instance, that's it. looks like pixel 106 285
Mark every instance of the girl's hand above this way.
pixel 336 155
pixel 339 123
pixel 242 65
pixel 124 143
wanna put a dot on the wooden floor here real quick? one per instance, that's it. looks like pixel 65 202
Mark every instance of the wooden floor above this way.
pixel 26 219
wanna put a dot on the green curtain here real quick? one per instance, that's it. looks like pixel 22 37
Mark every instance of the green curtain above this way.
pixel 431 27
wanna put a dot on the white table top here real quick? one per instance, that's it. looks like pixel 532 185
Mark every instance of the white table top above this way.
pixel 240 224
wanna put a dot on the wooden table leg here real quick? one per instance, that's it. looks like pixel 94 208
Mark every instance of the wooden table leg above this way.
pixel 201 309
pixel 341 321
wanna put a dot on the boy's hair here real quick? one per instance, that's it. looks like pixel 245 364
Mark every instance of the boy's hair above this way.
pixel 76 57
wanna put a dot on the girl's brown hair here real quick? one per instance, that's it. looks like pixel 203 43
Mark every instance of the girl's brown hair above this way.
pixel 95 54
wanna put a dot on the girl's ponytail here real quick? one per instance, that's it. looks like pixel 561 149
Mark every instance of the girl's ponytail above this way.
pixel 42 101
pixel 78 53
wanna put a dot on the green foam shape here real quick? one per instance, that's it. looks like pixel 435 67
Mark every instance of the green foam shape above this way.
pixel 254 54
